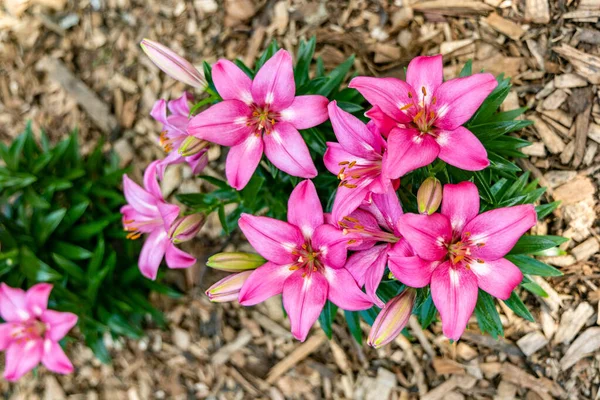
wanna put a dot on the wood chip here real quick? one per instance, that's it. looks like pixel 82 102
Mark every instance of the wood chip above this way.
pixel 414 362
pixel 567 154
pixel 97 110
pixel 505 391
pixel 569 81
pixel 488 341
pixel 553 300
pixel 532 342
pixel 557 177
pixel 299 354
pixel 537 11
pixel 537 149
pixel 594 132
pixel 549 325
pixel 439 392
pixel 579 189
pixel 582 121
pixel 586 249
pixel 590 153
pixel 586 65
pixel 543 387
pixel 572 321
pixel 225 352
pixel 555 100
pixel 553 142
pixel 453 7
pixel 586 344
pixel 444 366
pixel 504 26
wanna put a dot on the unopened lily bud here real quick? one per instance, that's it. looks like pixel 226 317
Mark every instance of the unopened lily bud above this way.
pixel 228 288
pixel 173 65
pixel 235 262
pixel 392 319
pixel 186 228
pixel 429 196
pixel 192 145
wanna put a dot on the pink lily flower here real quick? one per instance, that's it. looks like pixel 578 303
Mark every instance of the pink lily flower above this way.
pixel 31 332
pixel 428 115
pixel 356 160
pixel 175 133
pixel 259 115
pixel 305 261
pixel 459 251
pixel 148 212
pixel 375 224
pixel 173 64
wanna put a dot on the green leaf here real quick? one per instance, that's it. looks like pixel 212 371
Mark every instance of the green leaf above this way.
pixel 306 51
pixel 517 306
pixel 353 321
pixel 269 52
pixel 427 312
pixel 223 219
pixel 46 225
pixel 487 315
pixel 35 269
pixel 73 214
pixel 96 343
pixel 336 77
pixel 531 266
pixel 534 288
pixel 350 107
pixel 71 251
pixel 326 318
pixel 543 210
pixel 530 244
pixel 86 231
pixel 244 68
pixel 467 69
pixel 69 267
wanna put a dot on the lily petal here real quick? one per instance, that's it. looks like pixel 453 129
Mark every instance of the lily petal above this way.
pixel 223 124
pixel 7 334
pixel 59 323
pixel 242 161
pixel 55 359
pixel 407 151
pixel 353 134
pixel 426 234
pixel 264 282
pixel 383 122
pixel 274 83
pixel 173 64
pixel 495 232
pixel 389 94
pixel 408 268
pixel 336 157
pixel 152 253
pixel 273 239
pixel 180 107
pixel 286 149
pixel 454 292
pixel 333 245
pixel 460 203
pixel 306 111
pixel 22 357
pixel 177 258
pixel 344 292
pixel 347 200
pixel 36 298
pixel 459 98
pixel 150 182
pixel 425 74
pixel 13 304
pixel 142 201
pixel 499 278
pixel 231 82
pixel 367 268
pixel 304 296
pixel 387 209
pixel 462 149
pixel 304 208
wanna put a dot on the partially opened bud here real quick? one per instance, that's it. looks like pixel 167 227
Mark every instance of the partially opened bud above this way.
pixel 392 319
pixel 235 262
pixel 192 145
pixel 429 196
pixel 173 65
pixel 186 228
pixel 228 288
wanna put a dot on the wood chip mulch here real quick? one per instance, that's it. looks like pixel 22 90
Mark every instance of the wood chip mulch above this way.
pixel 66 64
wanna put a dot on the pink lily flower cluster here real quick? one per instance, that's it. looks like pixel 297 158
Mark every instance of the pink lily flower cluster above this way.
pixel 32 332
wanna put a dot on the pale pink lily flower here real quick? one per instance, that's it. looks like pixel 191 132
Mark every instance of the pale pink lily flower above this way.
pixel 425 116
pixel 375 225
pixel 260 115
pixel 31 332
pixel 357 161
pixel 305 261
pixel 148 212
pixel 459 251
pixel 173 65
pixel 175 132
pixel 228 288
pixel 392 319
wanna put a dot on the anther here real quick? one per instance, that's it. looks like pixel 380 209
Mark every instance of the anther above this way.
pixel 433 101
pixel 409 95
pixel 350 186
pixel 351 241
pixel 294 268
pixel 406 107
pixel 480 261
pixel 350 219
pixel 352 164
pixel 344 163
pixel 424 90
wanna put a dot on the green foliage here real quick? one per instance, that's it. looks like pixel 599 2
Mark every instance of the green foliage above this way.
pixel 60 223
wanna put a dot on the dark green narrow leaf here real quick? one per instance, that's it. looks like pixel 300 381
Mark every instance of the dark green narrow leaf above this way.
pixel 336 77
pixel 35 269
pixel 306 51
pixel 427 312
pixel 71 251
pixel 487 315
pixel 543 210
pixel 353 321
pixel 467 69
pixel 86 231
pixel 69 267
pixel 269 52
pixel 326 318
pixel 531 266
pixel 48 224
pixel 530 244
pixel 516 305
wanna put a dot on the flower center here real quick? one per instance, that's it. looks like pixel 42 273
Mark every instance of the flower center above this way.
pixel 422 115
pixel 352 172
pixel 308 259
pixel 461 249
pixel 133 227
pixel 263 119
pixel 30 330
pixel 352 225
